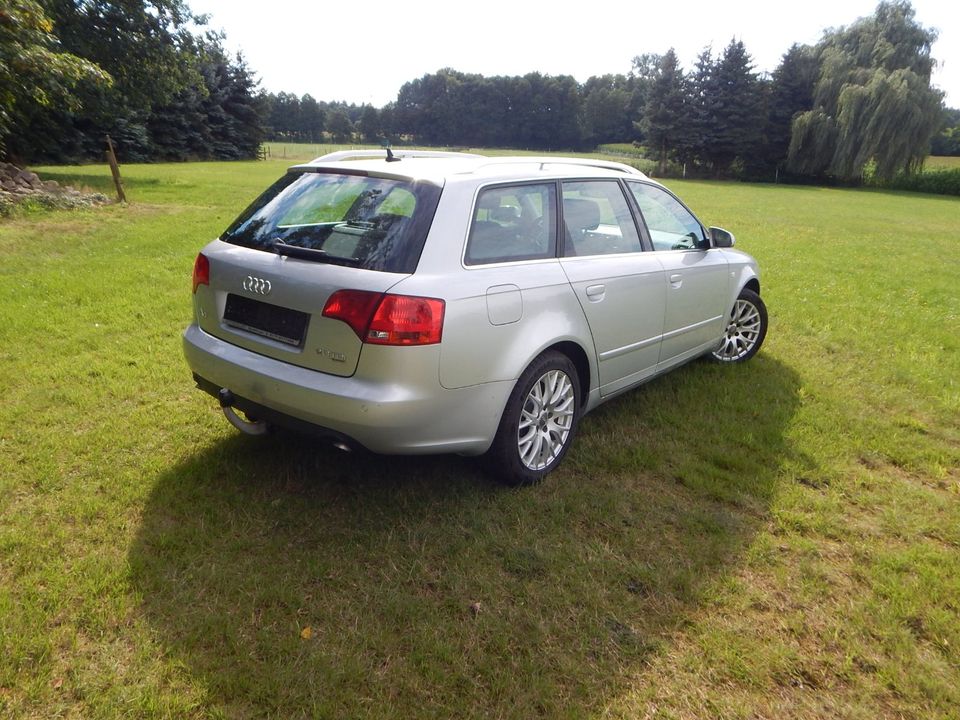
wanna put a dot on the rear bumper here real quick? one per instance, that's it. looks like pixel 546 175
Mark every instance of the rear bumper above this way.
pixel 393 404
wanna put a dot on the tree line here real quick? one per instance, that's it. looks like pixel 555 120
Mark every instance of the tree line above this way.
pixel 450 108
pixel 858 102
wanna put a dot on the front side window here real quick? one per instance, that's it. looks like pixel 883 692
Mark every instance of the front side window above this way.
pixel 671 225
pixel 367 222
pixel 515 222
pixel 597 219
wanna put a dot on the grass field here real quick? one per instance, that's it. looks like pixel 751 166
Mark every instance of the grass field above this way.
pixel 778 540
pixel 942 163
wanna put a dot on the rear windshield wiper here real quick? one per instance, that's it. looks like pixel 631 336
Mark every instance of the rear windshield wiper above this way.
pixel 305 253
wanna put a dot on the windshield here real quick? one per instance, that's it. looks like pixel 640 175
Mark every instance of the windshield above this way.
pixel 368 222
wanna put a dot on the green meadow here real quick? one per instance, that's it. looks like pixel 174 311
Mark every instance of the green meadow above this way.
pixel 942 163
pixel 774 540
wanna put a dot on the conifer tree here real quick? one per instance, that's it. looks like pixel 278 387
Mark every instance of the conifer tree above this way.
pixel 664 116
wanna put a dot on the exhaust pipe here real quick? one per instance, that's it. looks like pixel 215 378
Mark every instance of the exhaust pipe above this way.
pixel 245 426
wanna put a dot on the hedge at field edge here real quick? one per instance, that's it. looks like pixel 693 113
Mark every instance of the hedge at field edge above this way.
pixel 936 182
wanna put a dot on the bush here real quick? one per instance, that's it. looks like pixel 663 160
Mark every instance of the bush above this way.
pixel 626 149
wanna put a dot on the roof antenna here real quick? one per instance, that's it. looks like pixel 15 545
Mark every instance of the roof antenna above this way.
pixel 391 157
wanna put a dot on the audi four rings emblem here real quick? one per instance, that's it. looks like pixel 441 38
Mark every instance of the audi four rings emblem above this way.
pixel 257 285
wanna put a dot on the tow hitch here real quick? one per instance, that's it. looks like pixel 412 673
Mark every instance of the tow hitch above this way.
pixel 245 426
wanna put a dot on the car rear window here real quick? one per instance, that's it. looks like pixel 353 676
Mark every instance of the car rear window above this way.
pixel 374 223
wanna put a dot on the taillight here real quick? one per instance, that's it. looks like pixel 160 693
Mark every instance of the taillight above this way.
pixel 388 319
pixel 201 271
pixel 354 307
pixel 404 320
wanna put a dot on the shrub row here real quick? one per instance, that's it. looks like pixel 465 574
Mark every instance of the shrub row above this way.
pixel 936 182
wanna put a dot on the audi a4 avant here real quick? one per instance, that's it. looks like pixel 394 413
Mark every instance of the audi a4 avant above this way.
pixel 419 302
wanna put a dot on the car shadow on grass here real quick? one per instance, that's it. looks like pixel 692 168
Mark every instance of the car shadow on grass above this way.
pixel 291 579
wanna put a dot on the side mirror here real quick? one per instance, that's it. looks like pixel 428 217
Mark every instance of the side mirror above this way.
pixel 722 238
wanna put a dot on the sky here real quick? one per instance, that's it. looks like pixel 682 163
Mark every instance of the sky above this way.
pixel 363 52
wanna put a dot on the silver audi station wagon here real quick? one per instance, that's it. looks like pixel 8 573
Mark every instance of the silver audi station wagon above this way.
pixel 421 302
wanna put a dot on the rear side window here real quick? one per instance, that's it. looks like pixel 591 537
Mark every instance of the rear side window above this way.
pixel 368 222
pixel 515 222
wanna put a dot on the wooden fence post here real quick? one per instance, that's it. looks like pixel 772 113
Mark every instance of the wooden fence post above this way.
pixel 115 169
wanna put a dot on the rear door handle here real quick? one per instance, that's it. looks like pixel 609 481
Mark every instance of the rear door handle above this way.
pixel 595 293
pixel 676 280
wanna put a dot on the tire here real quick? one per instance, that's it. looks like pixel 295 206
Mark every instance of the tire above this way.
pixel 746 329
pixel 534 435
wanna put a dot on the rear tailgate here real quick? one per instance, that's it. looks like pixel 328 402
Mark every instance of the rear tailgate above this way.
pixel 272 305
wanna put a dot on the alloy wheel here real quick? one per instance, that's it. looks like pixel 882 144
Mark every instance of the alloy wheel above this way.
pixel 545 420
pixel 742 333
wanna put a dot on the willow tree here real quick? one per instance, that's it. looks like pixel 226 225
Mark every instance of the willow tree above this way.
pixel 872 101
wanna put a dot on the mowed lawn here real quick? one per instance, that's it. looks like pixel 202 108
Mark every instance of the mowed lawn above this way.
pixel 776 540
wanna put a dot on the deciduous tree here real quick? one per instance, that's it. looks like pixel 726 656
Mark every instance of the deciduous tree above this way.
pixel 339 125
pixel 607 109
pixel 369 124
pixel 34 71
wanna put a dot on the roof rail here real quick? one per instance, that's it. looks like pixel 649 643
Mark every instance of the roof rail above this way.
pixel 544 161
pixel 358 154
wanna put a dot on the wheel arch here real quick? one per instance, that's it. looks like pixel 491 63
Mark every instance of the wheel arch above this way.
pixel 743 276
pixel 752 284
pixel 581 362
